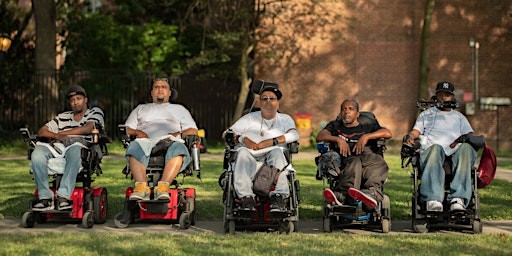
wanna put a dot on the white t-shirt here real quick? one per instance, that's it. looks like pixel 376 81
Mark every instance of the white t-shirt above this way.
pixel 441 128
pixel 160 119
pixel 257 129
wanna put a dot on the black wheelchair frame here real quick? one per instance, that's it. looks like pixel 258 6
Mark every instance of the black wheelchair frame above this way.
pixel 234 218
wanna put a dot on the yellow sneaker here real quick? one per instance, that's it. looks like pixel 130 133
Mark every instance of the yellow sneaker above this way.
pixel 141 191
pixel 162 191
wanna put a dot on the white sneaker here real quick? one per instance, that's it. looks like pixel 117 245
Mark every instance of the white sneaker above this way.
pixel 457 204
pixel 434 206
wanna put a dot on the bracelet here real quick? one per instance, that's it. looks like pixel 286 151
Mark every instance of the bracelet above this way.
pixel 275 142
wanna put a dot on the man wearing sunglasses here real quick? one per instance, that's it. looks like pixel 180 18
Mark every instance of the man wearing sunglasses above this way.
pixel 150 123
pixel 262 136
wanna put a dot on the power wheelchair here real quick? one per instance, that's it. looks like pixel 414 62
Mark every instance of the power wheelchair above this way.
pixel 261 219
pixel 355 212
pixel 181 206
pixel 425 221
pixel 90 204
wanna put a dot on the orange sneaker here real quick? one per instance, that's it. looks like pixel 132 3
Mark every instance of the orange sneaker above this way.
pixel 140 192
pixel 162 191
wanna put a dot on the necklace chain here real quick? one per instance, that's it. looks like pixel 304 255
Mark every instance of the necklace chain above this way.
pixel 262 133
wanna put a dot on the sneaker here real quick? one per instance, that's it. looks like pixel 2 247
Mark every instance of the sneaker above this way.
pixel 457 204
pixel 434 206
pixel 64 203
pixel 331 198
pixel 141 191
pixel 43 205
pixel 248 204
pixel 277 203
pixel 162 191
pixel 366 198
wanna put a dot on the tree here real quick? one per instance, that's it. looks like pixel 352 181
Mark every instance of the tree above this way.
pixel 425 50
pixel 46 54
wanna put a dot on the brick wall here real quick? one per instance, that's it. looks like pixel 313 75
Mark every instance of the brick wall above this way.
pixel 371 53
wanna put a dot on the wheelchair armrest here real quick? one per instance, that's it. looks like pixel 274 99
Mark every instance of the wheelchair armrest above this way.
pixel 123 136
pixel 28 137
pixel 477 142
pixel 230 138
pixel 293 147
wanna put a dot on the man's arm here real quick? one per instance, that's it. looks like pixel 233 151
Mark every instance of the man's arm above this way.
pixel 82 130
pixel 382 133
pixel 325 135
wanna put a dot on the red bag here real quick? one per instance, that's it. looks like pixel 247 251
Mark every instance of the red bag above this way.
pixel 487 167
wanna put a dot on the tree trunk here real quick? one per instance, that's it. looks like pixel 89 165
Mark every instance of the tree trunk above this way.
pixel 425 50
pixel 45 59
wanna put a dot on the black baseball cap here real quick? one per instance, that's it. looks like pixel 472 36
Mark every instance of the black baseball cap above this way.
pixel 74 90
pixel 445 87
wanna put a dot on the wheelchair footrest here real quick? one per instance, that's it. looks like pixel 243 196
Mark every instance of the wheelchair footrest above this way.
pixel 156 206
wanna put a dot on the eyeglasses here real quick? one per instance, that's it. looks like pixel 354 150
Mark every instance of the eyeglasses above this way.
pixel 268 98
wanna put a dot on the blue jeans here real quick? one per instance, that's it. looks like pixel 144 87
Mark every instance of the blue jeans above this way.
pixel 176 149
pixel 433 175
pixel 39 168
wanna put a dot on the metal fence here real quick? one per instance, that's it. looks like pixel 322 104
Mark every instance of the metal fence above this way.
pixel 30 99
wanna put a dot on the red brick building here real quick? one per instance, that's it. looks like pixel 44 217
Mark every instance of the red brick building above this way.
pixel 370 51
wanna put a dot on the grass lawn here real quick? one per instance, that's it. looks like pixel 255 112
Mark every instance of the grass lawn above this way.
pixel 17 186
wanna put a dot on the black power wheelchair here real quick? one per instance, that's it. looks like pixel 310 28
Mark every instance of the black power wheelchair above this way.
pixel 355 213
pixel 181 206
pixel 237 219
pixel 90 204
pixel 424 221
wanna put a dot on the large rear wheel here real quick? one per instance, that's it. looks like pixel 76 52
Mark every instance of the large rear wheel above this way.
pixel 28 220
pixel 101 207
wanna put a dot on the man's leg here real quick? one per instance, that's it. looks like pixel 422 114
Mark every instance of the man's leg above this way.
pixel 432 177
pixel 463 161
pixel 137 162
pixel 39 167
pixel 351 175
pixel 375 173
pixel 244 170
pixel 177 159
pixel 73 158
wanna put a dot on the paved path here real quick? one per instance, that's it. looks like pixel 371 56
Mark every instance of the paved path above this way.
pixel 12 226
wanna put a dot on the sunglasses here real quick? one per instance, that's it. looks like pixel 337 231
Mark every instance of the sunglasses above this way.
pixel 268 98
pixel 160 79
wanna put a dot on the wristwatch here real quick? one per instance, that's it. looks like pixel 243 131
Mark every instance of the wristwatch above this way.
pixel 275 141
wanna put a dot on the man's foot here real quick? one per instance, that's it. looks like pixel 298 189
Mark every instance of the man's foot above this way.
pixel 434 206
pixel 248 204
pixel 331 198
pixel 277 203
pixel 140 192
pixel 64 203
pixel 457 204
pixel 366 198
pixel 43 205
pixel 162 191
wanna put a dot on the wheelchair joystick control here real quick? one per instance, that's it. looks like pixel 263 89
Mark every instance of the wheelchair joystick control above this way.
pixel 195 155
pixel 95 134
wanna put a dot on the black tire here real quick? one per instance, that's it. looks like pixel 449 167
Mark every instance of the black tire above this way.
pixel 386 225
pixel 101 207
pixel 185 220
pixel 28 220
pixel 477 227
pixel 327 224
pixel 231 227
pixel 88 219
pixel 122 219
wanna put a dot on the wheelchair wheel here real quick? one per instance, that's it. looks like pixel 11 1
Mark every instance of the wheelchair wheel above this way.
pixel 231 227
pixel 28 220
pixel 419 226
pixel 286 226
pixel 101 207
pixel 477 227
pixel 185 220
pixel 328 223
pixel 122 219
pixel 40 218
pixel 386 225
pixel 88 219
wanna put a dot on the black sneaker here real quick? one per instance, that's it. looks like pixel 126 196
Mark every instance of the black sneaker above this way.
pixel 64 204
pixel 277 203
pixel 248 204
pixel 43 205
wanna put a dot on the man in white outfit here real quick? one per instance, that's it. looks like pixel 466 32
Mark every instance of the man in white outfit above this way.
pixel 262 136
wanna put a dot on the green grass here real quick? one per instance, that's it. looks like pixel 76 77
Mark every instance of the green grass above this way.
pixel 17 186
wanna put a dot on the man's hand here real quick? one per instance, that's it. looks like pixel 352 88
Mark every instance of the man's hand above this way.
pixel 140 134
pixel 60 137
pixel 359 146
pixel 250 144
pixel 344 148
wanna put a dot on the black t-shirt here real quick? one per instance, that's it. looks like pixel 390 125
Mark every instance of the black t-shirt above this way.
pixel 367 124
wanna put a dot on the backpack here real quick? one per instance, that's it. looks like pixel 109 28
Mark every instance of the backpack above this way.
pixel 487 167
pixel 265 179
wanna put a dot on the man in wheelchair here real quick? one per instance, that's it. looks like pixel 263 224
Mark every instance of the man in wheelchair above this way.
pixel 261 137
pixel 66 131
pixel 441 131
pixel 159 125
pixel 364 171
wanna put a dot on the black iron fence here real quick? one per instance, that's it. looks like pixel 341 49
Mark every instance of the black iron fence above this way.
pixel 30 99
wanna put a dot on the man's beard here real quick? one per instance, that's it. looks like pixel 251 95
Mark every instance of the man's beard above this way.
pixel 160 100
